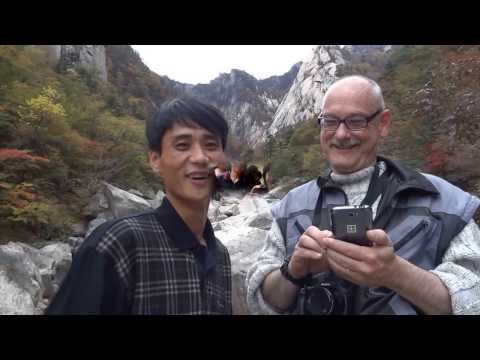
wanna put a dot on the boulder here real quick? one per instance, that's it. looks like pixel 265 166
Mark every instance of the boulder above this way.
pixel 150 194
pixel 79 228
pixel 122 203
pixel 96 222
pixel 284 187
pixel 244 235
pixel 277 192
pixel 61 257
pixel 29 277
pixel 21 287
pixel 213 210
pixel 14 299
pixel 75 243
pixel 243 244
pixel 136 192
pixel 253 203
pixel 157 200
pixel 228 210
pixel 262 220
pixel 112 202
pixel 52 261
pixel 98 204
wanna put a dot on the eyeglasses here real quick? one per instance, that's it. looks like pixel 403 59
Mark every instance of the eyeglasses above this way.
pixel 354 123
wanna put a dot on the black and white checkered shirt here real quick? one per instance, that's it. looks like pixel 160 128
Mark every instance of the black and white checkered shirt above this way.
pixel 150 263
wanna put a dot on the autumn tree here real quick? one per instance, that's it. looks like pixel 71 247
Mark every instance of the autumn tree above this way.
pixel 45 116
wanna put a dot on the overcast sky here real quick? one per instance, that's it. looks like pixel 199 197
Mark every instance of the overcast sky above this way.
pixel 195 64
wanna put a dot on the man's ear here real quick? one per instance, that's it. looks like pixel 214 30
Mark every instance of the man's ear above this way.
pixel 385 122
pixel 154 161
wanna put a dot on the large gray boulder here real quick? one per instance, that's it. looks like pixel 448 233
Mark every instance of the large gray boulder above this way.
pixel 253 203
pixel 29 277
pixel 243 244
pixel 122 203
pixel 157 200
pixel 111 202
pixel 92 225
pixel 21 287
pixel 60 255
pixel 244 235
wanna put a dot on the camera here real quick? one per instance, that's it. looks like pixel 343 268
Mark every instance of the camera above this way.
pixel 350 223
pixel 323 299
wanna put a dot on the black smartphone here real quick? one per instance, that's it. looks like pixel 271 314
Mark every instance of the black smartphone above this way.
pixel 350 223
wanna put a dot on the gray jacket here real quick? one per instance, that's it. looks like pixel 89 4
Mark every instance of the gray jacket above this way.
pixel 421 214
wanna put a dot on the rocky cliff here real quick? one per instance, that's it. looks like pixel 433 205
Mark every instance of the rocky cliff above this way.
pixel 247 103
pixel 254 108
pixel 327 64
pixel 91 57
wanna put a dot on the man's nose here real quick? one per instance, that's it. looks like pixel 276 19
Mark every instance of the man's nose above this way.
pixel 342 131
pixel 199 154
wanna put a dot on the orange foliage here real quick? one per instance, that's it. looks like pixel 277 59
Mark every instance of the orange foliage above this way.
pixel 453 56
pixel 20 154
pixel 436 159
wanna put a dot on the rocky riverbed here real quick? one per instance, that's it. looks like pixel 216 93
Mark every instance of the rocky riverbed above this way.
pixel 31 274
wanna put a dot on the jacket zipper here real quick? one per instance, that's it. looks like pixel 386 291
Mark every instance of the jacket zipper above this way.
pixel 423 224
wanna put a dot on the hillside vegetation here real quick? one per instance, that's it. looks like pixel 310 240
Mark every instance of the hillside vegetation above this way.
pixel 61 134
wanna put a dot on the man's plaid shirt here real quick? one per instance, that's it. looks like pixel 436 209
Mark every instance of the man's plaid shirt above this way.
pixel 148 263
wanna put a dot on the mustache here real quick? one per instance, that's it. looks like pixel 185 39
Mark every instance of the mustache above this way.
pixel 344 144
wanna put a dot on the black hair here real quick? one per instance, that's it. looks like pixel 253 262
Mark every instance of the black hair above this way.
pixel 265 171
pixel 252 177
pixel 185 110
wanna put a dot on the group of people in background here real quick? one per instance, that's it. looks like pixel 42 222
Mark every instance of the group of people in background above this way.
pixel 244 178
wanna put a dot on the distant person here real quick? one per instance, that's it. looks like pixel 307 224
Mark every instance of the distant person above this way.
pixel 238 176
pixel 164 261
pixel 224 182
pixel 267 182
pixel 253 177
pixel 425 253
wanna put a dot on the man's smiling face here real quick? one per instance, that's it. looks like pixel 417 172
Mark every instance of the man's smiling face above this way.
pixel 348 151
pixel 186 162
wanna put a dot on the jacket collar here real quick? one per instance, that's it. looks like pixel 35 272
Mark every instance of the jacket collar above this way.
pixel 178 231
pixel 407 177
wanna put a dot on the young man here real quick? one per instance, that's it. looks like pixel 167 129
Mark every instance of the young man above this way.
pixel 165 261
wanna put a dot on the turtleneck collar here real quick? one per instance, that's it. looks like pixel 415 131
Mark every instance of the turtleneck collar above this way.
pixel 356 177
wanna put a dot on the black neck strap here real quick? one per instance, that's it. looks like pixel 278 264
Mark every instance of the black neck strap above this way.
pixel 376 187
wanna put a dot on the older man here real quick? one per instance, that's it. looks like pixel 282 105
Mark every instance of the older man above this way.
pixel 425 256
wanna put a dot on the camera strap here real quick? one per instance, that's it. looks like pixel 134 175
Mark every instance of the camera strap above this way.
pixel 375 188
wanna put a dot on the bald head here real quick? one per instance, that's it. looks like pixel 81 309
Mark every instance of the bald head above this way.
pixel 353 98
pixel 357 86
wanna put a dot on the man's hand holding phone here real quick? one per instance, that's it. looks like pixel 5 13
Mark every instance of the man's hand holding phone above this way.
pixel 309 254
pixel 373 266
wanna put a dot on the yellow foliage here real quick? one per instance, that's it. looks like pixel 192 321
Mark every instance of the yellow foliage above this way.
pixel 43 109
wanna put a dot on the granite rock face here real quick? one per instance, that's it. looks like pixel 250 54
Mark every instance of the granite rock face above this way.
pixel 90 57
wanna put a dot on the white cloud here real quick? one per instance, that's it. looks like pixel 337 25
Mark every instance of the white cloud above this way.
pixel 202 63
